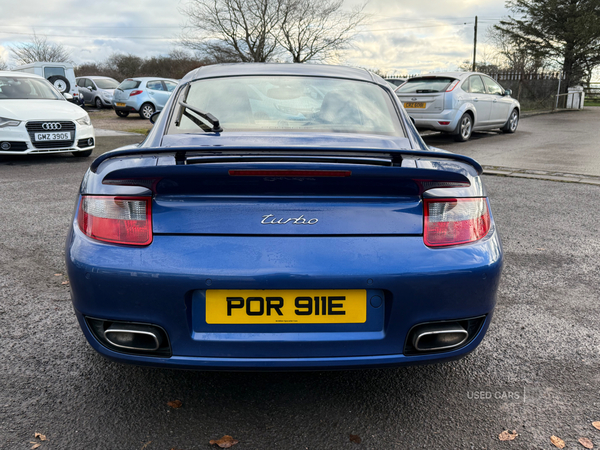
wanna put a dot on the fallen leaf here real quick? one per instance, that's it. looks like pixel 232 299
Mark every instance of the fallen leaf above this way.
pixel 58 274
pixel 65 282
pixel 175 404
pixel 36 446
pixel 586 442
pixel 225 442
pixel 596 425
pixel 40 436
pixel 557 442
pixel 355 438
pixel 146 445
pixel 507 435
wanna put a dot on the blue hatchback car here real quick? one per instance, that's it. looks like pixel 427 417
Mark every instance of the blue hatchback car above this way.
pixel 283 216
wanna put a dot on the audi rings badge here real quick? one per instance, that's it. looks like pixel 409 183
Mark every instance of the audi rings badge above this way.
pixel 51 126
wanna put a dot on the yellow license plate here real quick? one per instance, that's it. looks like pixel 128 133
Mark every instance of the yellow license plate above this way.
pixel 286 306
pixel 415 105
pixel 120 104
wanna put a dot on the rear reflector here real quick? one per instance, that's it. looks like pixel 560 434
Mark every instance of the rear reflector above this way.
pixel 119 220
pixel 289 173
pixel 444 123
pixel 454 221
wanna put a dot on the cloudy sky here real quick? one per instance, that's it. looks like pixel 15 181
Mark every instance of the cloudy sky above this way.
pixel 403 36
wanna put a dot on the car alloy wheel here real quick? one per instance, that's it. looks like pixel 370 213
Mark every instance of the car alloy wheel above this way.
pixel 513 121
pixel 98 103
pixel 464 128
pixel 146 111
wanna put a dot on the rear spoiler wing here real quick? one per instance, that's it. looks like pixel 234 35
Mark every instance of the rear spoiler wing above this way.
pixel 395 156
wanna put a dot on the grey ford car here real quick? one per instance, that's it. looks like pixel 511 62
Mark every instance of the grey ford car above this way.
pixel 459 103
pixel 142 95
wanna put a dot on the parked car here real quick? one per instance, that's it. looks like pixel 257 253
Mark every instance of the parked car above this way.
pixel 142 95
pixel 97 91
pixel 60 74
pixel 459 103
pixel 228 240
pixel 36 118
pixel 396 81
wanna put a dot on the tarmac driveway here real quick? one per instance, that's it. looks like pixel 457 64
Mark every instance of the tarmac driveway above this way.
pixel 563 142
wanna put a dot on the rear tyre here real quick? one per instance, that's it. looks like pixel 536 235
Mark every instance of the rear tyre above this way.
pixel 147 110
pixel 464 128
pixel 512 123
pixel 60 83
pixel 98 103
pixel 84 154
pixel 122 113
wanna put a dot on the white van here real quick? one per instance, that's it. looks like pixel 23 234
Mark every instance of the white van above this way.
pixel 60 74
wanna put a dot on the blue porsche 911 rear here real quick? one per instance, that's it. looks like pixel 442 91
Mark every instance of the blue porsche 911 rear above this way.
pixel 283 217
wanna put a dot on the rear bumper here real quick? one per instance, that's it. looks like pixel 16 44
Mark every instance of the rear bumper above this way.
pixel 432 121
pixel 282 363
pixel 132 104
pixel 157 285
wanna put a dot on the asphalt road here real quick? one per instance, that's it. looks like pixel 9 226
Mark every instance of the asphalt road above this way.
pixel 539 361
pixel 564 142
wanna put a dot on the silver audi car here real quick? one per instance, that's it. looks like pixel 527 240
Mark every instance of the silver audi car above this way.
pixel 459 103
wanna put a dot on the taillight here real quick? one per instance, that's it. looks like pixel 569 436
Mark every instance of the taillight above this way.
pixel 452 86
pixel 453 221
pixel 132 93
pixel 120 220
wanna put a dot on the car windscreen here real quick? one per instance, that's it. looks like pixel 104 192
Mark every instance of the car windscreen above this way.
pixel 293 103
pixel 425 85
pixel 106 83
pixel 27 89
pixel 129 84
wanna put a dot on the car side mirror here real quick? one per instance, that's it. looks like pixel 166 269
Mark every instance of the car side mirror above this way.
pixel 507 92
pixel 154 116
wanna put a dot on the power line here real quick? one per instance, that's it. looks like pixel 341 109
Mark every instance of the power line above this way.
pixel 91 36
pixel 84 27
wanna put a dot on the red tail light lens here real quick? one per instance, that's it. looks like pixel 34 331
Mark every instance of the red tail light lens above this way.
pixel 132 93
pixel 453 221
pixel 119 220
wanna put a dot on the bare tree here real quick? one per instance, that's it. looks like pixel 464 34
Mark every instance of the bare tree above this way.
pixel 515 54
pixel 3 64
pixel 261 30
pixel 313 29
pixel 39 50
pixel 239 30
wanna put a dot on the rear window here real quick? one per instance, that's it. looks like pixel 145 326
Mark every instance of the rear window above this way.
pixel 129 84
pixel 425 85
pixel 293 103
pixel 52 71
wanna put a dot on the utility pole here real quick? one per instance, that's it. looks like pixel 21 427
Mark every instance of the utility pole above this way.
pixel 475 46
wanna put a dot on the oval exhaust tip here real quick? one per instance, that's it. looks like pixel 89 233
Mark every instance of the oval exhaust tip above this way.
pixel 133 337
pixel 442 336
